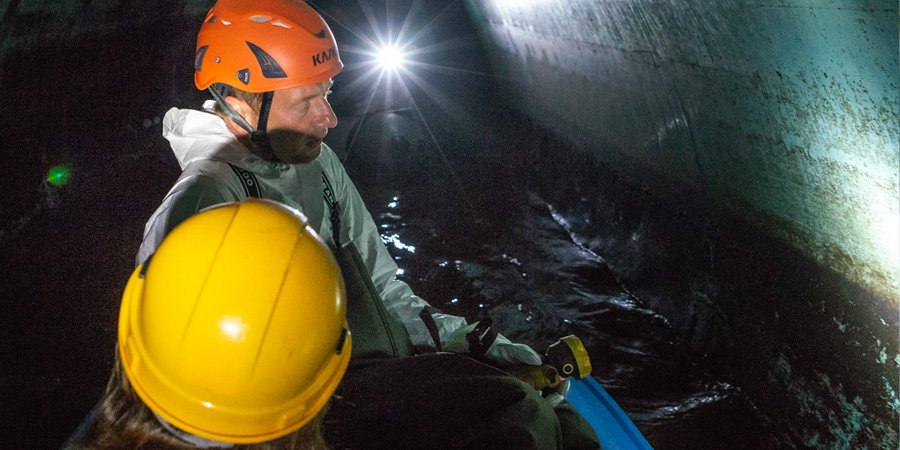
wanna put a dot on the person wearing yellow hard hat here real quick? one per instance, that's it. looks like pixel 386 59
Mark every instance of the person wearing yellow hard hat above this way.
pixel 233 335
pixel 269 66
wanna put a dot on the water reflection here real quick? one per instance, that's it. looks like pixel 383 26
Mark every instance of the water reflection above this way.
pixel 530 274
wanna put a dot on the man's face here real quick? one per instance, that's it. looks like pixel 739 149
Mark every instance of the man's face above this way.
pixel 299 119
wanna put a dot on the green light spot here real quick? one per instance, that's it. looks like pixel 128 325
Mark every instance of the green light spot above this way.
pixel 59 175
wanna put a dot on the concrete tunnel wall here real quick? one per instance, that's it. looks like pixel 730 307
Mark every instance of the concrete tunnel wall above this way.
pixel 787 109
pixel 783 113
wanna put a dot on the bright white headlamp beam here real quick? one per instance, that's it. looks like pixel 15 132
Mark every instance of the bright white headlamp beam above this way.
pixel 390 58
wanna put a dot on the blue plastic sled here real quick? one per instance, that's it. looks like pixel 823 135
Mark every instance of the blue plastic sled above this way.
pixel 615 430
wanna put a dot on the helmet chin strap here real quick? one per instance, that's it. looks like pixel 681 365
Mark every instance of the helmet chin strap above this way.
pixel 258 136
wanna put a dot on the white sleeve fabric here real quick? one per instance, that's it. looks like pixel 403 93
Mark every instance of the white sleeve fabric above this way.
pixel 357 226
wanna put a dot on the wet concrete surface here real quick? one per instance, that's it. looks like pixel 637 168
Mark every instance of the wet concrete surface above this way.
pixel 815 352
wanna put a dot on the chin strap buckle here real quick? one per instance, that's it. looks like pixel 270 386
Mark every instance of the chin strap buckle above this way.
pixel 260 138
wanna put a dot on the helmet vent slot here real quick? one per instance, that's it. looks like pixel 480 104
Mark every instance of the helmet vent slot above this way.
pixel 198 58
pixel 260 19
pixel 281 24
pixel 270 68
pixel 244 76
pixel 211 20
pixel 225 22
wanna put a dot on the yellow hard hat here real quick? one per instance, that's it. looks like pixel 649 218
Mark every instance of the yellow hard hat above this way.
pixel 235 330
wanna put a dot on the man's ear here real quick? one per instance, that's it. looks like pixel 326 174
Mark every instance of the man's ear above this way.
pixel 243 109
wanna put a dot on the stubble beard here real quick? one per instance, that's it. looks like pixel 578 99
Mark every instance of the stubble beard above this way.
pixel 300 150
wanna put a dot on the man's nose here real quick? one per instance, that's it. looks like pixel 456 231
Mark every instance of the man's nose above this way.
pixel 326 117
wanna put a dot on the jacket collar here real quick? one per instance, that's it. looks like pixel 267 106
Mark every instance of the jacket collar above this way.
pixel 199 135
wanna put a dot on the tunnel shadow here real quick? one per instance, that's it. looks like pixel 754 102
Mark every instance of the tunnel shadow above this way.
pixel 91 103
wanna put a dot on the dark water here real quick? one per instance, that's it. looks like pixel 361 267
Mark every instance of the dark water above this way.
pixel 473 240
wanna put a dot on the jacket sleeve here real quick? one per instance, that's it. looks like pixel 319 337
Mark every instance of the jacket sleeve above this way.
pixel 357 226
pixel 190 194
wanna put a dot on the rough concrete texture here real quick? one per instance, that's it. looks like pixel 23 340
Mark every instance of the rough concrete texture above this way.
pixel 815 353
pixel 747 157
pixel 785 110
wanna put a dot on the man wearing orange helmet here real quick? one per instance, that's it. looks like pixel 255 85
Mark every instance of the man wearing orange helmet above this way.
pixel 269 64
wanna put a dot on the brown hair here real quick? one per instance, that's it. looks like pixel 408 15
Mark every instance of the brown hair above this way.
pixel 124 422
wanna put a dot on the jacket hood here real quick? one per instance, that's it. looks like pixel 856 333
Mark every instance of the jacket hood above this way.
pixel 197 135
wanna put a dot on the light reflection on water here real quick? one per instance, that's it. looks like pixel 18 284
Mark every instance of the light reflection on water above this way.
pixel 394 240
pixel 538 283
pixel 496 249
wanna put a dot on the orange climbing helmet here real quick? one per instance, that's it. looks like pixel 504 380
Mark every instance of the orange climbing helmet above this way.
pixel 235 330
pixel 264 45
